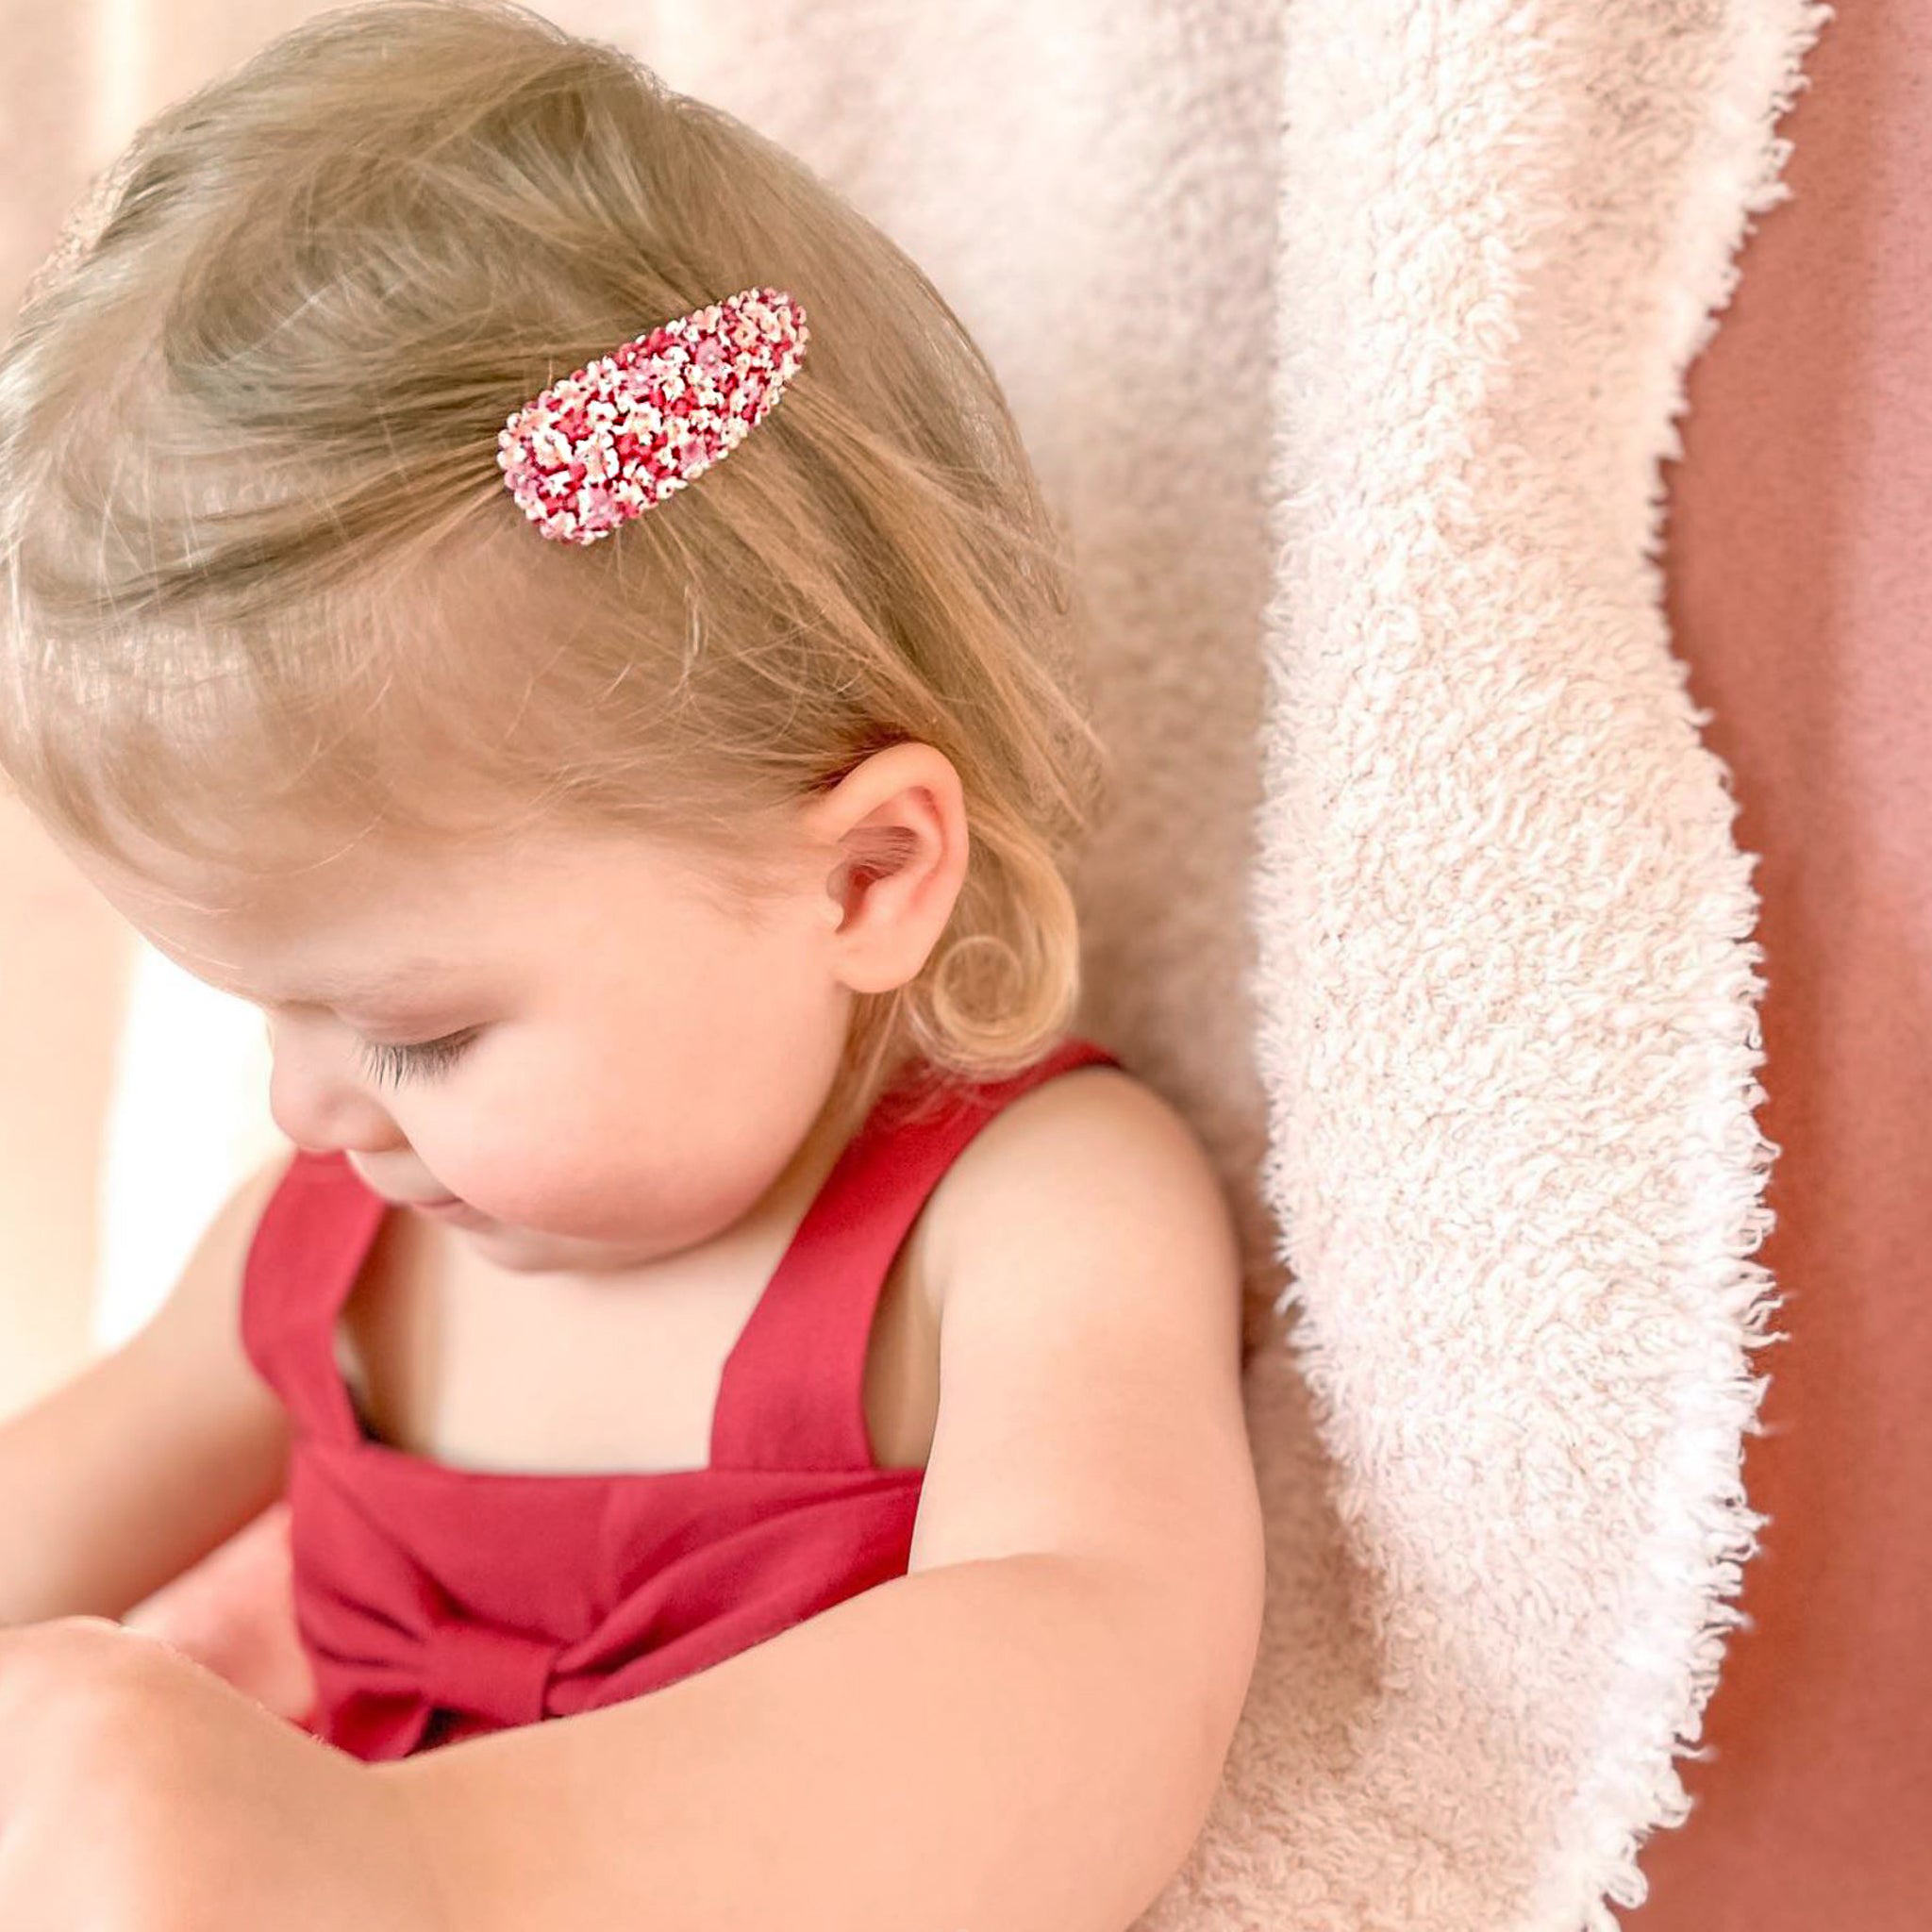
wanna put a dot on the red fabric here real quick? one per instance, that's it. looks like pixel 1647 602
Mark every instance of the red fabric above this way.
pixel 438 1603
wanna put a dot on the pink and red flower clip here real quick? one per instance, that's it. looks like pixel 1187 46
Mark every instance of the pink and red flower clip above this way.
pixel 615 437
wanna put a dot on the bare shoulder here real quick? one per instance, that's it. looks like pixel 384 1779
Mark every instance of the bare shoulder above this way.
pixel 1088 1281
pixel 1092 1160
pixel 201 1314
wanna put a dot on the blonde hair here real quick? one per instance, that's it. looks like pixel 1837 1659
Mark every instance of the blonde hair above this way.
pixel 261 567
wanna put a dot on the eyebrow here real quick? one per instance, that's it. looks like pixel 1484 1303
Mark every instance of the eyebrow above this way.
pixel 349 988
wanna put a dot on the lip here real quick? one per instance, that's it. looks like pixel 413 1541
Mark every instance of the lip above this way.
pixel 450 1210
pixel 452 1206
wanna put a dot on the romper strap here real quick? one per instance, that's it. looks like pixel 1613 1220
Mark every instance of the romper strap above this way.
pixel 793 1392
pixel 306 1252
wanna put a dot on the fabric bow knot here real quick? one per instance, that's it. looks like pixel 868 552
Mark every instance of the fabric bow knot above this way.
pixel 400 1638
pixel 486 1670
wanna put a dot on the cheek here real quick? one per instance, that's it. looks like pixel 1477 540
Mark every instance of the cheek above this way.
pixel 574 1135
pixel 658 1115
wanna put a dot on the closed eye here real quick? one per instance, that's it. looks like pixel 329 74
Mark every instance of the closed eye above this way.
pixel 424 1060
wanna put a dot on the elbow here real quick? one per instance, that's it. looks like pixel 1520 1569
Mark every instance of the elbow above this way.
pixel 1204 1727
pixel 1228 1651
pixel 1210 1658
pixel 1216 1714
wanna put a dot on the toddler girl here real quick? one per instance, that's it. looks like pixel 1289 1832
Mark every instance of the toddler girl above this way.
pixel 509 574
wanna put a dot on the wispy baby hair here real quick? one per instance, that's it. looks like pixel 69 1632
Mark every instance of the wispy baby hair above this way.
pixel 263 576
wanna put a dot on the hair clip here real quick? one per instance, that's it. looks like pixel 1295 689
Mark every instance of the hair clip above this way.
pixel 615 437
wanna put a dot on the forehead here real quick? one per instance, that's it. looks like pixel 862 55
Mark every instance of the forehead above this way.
pixel 354 931
pixel 366 924
pixel 271 885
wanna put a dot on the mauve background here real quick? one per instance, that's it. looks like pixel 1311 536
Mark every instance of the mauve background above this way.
pixel 1800 595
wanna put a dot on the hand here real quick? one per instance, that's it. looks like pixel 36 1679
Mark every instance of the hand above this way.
pixel 140 1792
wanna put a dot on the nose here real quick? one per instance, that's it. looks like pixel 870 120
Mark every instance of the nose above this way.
pixel 315 1099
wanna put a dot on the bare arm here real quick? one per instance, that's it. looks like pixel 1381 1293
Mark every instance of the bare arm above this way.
pixel 1017 1745
pixel 153 1454
pixel 1027 1731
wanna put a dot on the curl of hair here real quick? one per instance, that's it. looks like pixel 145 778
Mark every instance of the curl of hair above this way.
pixel 261 567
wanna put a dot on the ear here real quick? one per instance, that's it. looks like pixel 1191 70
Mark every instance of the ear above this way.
pixel 896 826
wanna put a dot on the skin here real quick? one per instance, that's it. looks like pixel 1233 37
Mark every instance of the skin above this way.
pixel 630 1069
pixel 1056 1679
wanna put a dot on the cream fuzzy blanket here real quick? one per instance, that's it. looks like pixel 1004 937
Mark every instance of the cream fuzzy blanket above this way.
pixel 1349 336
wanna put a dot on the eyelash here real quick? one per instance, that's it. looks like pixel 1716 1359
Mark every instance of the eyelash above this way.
pixel 429 1060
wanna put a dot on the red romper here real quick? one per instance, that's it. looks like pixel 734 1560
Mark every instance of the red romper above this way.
pixel 437 1603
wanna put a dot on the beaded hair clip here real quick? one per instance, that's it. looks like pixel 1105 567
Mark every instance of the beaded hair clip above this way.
pixel 615 437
